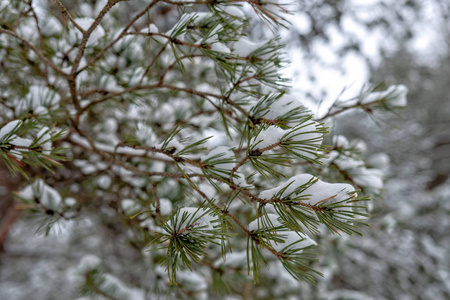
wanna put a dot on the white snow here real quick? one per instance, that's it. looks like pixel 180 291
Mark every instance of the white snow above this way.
pixel 195 17
pixel 39 98
pixel 165 206
pixel 301 21
pixel 267 137
pixel 130 206
pixel 76 36
pixel 340 141
pixel 21 142
pixel 133 76
pixel 152 28
pixel 109 83
pixel 10 126
pixel 104 181
pixel 208 189
pixel 44 137
pixel 6 136
pixel 173 143
pixel 240 181
pixel 47 195
pixel 283 280
pixel 319 190
pixel 244 47
pixel 395 94
pixel 233 260
pixel 259 222
pixel 88 263
pixel 281 106
pixel 145 134
pixel 220 47
pixel 348 163
pixel 51 26
pixel 380 161
pixel 307 132
pixel 69 201
pixel 369 178
pixel 26 30
pixel 361 146
pixel 294 240
pixel 234 11
pixel 217 138
pixel 192 281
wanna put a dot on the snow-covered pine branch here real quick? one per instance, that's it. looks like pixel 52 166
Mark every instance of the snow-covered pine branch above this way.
pixel 181 140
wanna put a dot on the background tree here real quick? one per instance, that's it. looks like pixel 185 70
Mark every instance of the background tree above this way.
pixel 404 252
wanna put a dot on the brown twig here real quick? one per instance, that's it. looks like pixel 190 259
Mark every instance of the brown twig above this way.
pixel 240 163
pixel 158 200
pixel 121 35
pixel 66 14
pixel 87 34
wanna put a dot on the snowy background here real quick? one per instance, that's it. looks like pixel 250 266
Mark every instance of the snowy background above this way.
pixel 405 254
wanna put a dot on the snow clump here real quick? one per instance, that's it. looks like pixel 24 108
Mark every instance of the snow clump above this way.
pixel 315 189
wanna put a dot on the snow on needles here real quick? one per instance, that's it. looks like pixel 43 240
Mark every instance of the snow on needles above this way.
pixel 273 135
pixel 290 126
pixel 291 239
pixel 370 178
pixel 7 136
pixel 257 223
pixel 395 95
pixel 295 240
pixel 270 136
pixel 48 196
pixel 308 185
pixel 8 128
pixel 245 47
pixel 307 135
pixel 282 106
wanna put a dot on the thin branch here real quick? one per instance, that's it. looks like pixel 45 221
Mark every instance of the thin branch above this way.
pixel 190 91
pixel 153 62
pixel 270 147
pixel 245 229
pixel 178 159
pixel 87 34
pixel 108 156
pixel 74 95
pixel 347 176
pixel 66 14
pixel 172 39
pixel 121 35
pixel 365 107
pixel 225 212
pixel 240 163
pixel 158 202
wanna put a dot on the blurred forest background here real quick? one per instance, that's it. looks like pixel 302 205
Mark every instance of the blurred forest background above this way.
pixel 405 254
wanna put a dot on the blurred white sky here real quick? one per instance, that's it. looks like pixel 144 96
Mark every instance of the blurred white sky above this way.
pixel 345 77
